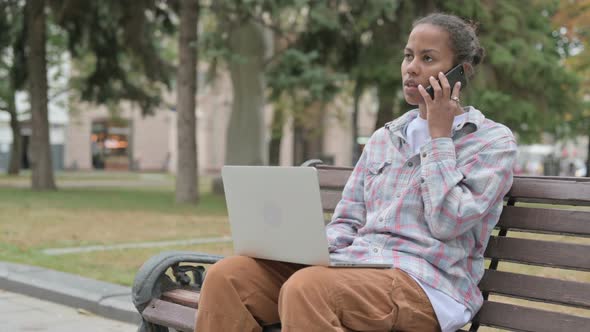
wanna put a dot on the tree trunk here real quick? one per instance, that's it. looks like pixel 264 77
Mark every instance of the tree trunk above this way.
pixel 588 159
pixel 16 148
pixel 274 150
pixel 314 132
pixel 387 96
pixel 187 167
pixel 42 168
pixel 298 143
pixel 246 134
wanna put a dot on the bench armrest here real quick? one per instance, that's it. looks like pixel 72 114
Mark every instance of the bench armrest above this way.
pixel 151 280
pixel 312 163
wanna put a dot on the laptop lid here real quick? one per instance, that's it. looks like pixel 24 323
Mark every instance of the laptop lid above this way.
pixel 276 213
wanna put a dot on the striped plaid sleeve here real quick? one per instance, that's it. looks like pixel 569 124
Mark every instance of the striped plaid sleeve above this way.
pixel 457 198
pixel 350 212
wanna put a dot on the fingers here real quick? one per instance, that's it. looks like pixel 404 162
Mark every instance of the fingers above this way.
pixel 436 87
pixel 456 91
pixel 442 89
pixel 446 87
pixel 424 94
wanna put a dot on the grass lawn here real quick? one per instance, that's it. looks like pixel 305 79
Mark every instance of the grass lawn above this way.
pixel 117 266
pixel 72 217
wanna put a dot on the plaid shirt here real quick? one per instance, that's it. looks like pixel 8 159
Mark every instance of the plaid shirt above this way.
pixel 430 214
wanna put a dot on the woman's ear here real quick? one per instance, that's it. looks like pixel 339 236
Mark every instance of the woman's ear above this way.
pixel 468 69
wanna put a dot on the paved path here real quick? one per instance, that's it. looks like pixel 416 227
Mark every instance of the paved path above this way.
pixel 99 297
pixel 73 250
pixel 22 313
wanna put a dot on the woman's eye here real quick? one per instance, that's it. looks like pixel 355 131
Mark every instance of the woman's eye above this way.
pixel 427 58
pixel 408 57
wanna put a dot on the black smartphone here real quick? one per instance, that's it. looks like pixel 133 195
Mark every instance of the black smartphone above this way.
pixel 454 75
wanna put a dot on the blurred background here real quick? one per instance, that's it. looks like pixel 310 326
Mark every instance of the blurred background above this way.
pixel 276 82
pixel 131 107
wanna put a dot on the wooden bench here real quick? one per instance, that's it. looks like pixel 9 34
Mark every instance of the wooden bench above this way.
pixel 537 279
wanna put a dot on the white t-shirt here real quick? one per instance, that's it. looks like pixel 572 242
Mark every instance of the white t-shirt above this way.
pixel 451 314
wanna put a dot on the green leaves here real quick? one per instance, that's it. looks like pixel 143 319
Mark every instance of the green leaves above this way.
pixel 298 70
pixel 323 18
pixel 522 82
pixel 115 51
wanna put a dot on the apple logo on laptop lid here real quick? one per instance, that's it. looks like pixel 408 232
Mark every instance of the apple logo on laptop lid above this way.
pixel 272 214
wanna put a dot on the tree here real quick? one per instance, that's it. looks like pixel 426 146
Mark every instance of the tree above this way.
pixel 360 43
pixel 13 67
pixel 246 133
pixel 254 38
pixel 42 170
pixel 301 85
pixel 245 43
pixel 187 168
pixel 121 45
pixel 116 47
pixel 572 21
pixel 522 83
pixel 12 72
pixel 115 40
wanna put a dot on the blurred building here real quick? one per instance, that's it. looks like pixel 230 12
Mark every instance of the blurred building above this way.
pixel 57 115
pixel 96 140
pixel 57 133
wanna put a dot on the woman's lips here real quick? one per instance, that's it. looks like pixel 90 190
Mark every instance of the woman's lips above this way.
pixel 410 86
pixel 410 89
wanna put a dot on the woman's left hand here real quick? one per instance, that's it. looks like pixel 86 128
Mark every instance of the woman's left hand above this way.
pixel 442 109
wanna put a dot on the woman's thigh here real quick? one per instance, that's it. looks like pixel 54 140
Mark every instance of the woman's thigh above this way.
pixel 364 299
pixel 253 272
pixel 244 281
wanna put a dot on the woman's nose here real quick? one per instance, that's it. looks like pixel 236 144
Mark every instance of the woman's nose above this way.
pixel 413 68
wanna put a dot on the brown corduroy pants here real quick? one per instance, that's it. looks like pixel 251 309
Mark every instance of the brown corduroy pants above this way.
pixel 242 294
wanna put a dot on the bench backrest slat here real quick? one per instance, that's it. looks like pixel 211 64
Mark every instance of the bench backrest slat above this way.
pixel 330 199
pixel 528 319
pixel 333 178
pixel 542 253
pixel 536 288
pixel 527 189
pixel 546 220
pixel 332 181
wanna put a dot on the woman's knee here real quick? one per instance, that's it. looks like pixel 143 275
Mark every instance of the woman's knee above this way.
pixel 228 268
pixel 314 280
pixel 307 300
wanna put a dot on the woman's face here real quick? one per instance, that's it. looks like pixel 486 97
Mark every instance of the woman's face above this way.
pixel 427 53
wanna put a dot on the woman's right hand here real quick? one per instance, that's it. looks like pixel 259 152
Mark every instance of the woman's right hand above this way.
pixel 441 109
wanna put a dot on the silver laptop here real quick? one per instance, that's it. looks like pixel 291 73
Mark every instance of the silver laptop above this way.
pixel 276 213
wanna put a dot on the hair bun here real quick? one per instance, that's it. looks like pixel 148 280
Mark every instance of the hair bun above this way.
pixel 478 56
pixel 473 25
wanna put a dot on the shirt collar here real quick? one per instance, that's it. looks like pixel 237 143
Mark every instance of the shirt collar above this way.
pixel 474 116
